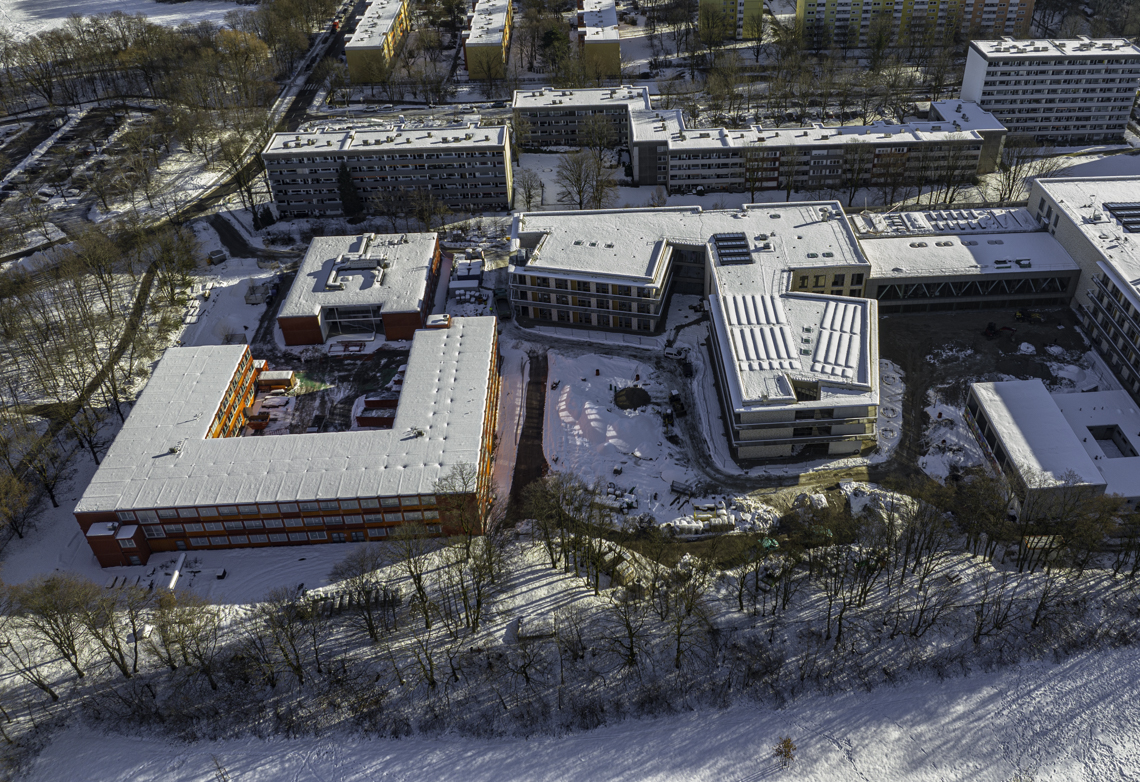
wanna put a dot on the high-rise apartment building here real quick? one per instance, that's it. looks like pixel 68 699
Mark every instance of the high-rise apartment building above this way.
pixel 1061 92
pixel 740 18
pixel 858 23
pixel 378 35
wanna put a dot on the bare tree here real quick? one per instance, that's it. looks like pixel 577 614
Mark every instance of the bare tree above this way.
pixel 374 598
pixel 529 186
pixel 1022 162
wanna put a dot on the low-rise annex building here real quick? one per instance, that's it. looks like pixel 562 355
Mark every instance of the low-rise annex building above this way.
pixel 379 33
pixel 1049 446
pixel 177 478
pixel 487 40
pixel 465 166
pixel 796 371
pixel 375 284
pixel 961 259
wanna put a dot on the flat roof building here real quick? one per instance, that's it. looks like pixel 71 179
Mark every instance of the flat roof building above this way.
pixel 1096 220
pixel 465 166
pixel 487 40
pixel 1061 92
pixel 184 488
pixel 598 38
pixel 958 143
pixel 379 33
pixel 963 259
pixel 1048 445
pixel 796 369
pixel 376 284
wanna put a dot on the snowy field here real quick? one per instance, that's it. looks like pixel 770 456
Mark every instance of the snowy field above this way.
pixel 25 18
pixel 1071 722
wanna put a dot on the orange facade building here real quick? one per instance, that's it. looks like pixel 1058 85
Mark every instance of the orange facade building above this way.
pixel 179 477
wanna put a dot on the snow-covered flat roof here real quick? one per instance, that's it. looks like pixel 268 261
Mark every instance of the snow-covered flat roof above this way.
pixel 390 271
pixel 402 138
pixel 375 24
pixel 1098 409
pixel 601 97
pixel 1012 49
pixel 598 21
pixel 632 243
pixel 1083 201
pixel 944 221
pixel 1037 438
pixel 960 121
pixel 488 22
pixel 768 336
pixel 1014 253
pixel 439 424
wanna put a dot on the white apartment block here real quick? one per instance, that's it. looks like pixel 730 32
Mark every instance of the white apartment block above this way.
pixel 1059 92
pixel 960 141
pixel 465 166
pixel 796 370
pixel 1097 220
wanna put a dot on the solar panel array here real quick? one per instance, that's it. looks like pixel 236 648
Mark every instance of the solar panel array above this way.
pixel 732 248
pixel 1127 213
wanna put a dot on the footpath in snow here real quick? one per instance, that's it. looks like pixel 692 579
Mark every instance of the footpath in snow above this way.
pixel 1066 723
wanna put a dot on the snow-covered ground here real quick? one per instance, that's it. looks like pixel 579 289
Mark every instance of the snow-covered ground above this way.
pixel 25 18
pixel 1071 722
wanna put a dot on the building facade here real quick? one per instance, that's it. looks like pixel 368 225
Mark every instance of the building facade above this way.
pixel 739 19
pixel 957 144
pixel 1097 221
pixel 796 369
pixel 380 31
pixel 465 166
pixel 1058 92
pixel 376 285
pixel 599 44
pixel 487 41
pixel 166 484
pixel 860 23
pixel 552 117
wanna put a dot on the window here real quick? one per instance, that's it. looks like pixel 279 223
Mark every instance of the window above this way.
pixel 298 537
pixel 199 541
pixel 187 513
pixel 239 540
pixel 856 279
pixel 213 526
pixel 126 515
pixel 258 538
pixel 338 537
pixel 349 504
pixel 168 513
pixel 228 510
pixel 818 281
pixel 127 543
pixel 148 515
pixel 204 512
pixel 154 531
pixel 837 280
pixel 192 528
pixel 334 521
pixel 278 537
pixel 219 540
pixel 254 524
pixel 357 536
pixel 803 281
pixel 381 532
pixel 318 535
pixel 329 505
pixel 314 521
pixel 306 506
pixel 274 523
pixel 562 284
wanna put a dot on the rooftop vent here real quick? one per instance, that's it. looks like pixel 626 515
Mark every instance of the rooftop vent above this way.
pixel 732 248
pixel 918 244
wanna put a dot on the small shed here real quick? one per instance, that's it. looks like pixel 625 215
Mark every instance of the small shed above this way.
pixel 278 379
